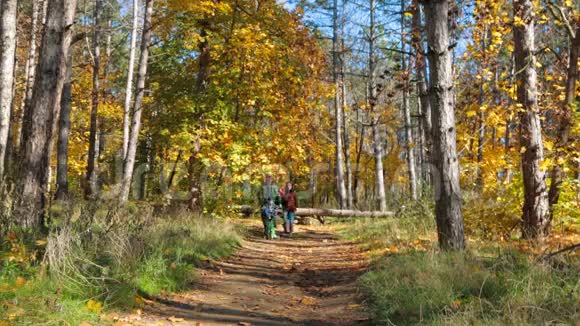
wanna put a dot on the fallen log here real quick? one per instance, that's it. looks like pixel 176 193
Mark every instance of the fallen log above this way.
pixel 321 212
pixel 329 212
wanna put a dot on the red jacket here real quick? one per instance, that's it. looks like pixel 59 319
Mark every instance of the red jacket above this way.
pixel 291 201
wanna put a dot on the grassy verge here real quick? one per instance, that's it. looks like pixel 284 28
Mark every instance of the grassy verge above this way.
pixel 98 259
pixel 412 282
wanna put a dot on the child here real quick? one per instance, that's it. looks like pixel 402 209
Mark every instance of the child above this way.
pixel 290 201
pixel 269 217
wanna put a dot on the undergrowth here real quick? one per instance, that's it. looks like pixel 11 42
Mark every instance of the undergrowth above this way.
pixel 492 283
pixel 96 258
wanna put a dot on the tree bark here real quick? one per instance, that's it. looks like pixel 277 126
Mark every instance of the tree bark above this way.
pixel 63 136
pixel 481 120
pixel 339 166
pixel 7 55
pixel 535 210
pixel 44 111
pixel 566 121
pixel 137 109
pixel 348 165
pixel 29 72
pixel 377 143
pixel 93 157
pixel 195 167
pixel 129 87
pixel 422 87
pixel 409 144
pixel 448 213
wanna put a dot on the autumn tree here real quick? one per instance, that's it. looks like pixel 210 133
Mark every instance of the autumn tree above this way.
pixel 39 124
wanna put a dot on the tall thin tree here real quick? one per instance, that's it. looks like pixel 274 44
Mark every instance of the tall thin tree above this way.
pixel 376 120
pixel 129 87
pixel 7 55
pixel 422 87
pixel 535 210
pixel 339 166
pixel 44 111
pixel 29 71
pixel 450 229
pixel 138 107
pixel 63 135
pixel 566 118
pixel 93 157
pixel 409 144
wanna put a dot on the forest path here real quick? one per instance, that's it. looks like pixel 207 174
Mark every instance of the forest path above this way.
pixel 308 279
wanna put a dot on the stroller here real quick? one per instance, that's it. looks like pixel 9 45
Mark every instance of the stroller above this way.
pixel 269 212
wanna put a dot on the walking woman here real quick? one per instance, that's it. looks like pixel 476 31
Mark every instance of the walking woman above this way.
pixel 290 203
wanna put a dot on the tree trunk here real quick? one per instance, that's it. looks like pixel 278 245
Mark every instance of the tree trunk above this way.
pixel 566 120
pixel 339 167
pixel 349 194
pixel 7 54
pixel 535 210
pixel 377 143
pixel 348 165
pixel 422 87
pixel 446 178
pixel 195 167
pixel 137 109
pixel 63 136
pixel 93 157
pixel 359 149
pixel 409 144
pixel 312 180
pixel 44 111
pixel 129 87
pixel 174 170
pixel 29 72
pixel 481 120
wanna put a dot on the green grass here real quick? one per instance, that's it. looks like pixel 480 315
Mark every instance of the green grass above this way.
pixel 459 288
pixel 127 254
pixel 486 285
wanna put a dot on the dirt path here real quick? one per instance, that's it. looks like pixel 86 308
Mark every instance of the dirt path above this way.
pixel 308 279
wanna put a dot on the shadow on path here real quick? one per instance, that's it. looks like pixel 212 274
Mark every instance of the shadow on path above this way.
pixel 309 279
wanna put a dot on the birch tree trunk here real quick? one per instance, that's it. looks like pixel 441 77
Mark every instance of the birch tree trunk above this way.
pixel 377 143
pixel 535 210
pixel 137 109
pixel 348 165
pixel 93 157
pixel 7 55
pixel 44 111
pixel 409 144
pixel 448 213
pixel 129 87
pixel 339 167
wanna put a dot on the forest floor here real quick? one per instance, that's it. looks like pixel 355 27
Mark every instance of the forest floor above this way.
pixel 308 279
